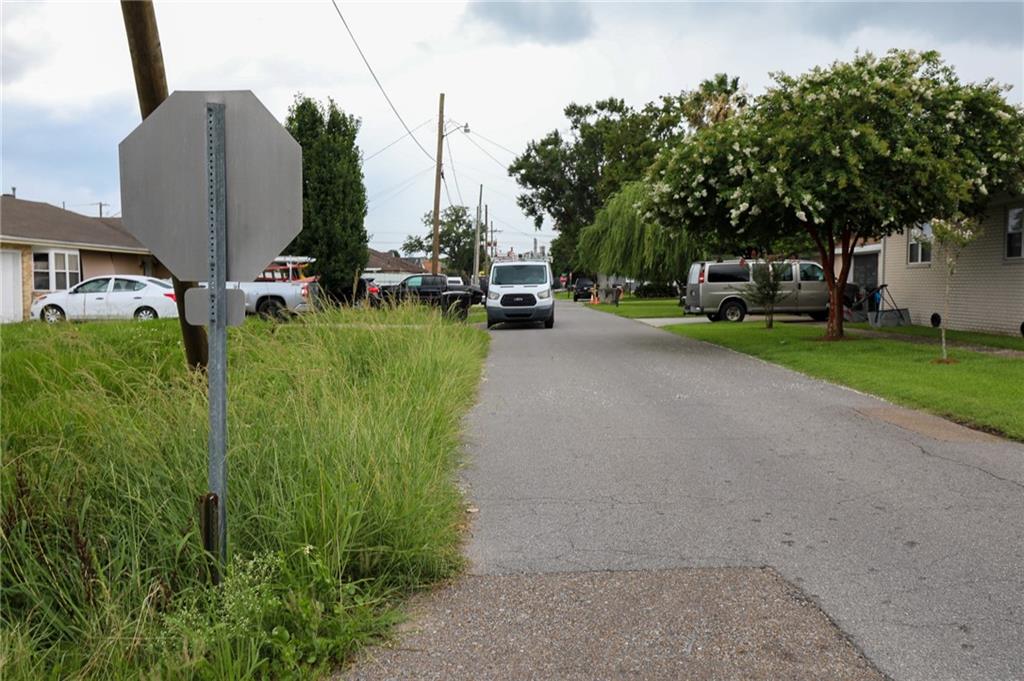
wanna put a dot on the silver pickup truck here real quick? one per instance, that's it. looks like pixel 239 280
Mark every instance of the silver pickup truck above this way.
pixel 276 298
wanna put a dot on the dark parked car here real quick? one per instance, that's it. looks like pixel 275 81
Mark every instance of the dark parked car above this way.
pixel 435 290
pixel 582 288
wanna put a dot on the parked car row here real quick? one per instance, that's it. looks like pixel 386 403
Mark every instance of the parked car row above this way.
pixel 127 296
pixel 275 294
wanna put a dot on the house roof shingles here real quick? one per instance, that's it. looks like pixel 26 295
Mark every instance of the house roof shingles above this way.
pixel 37 222
pixel 389 263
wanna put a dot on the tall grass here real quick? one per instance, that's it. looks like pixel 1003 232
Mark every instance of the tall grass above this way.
pixel 343 439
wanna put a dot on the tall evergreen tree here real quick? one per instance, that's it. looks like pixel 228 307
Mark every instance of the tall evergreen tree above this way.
pixel 333 194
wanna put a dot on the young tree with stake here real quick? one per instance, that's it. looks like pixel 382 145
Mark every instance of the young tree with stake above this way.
pixel 952 236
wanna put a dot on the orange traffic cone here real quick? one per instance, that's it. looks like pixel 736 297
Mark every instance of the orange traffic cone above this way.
pixel 593 297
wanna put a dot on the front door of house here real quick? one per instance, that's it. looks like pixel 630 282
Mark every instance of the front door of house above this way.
pixel 865 270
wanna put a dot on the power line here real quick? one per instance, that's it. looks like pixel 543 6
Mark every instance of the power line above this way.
pixel 377 80
pixel 500 146
pixel 381 151
pixel 451 162
pixel 487 153
pixel 546 235
pixel 446 192
pixel 400 186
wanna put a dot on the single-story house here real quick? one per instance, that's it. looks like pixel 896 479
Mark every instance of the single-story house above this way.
pixel 44 248
pixel 387 269
pixel 988 287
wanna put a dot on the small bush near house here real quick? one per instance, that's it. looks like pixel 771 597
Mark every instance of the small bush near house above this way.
pixel 344 430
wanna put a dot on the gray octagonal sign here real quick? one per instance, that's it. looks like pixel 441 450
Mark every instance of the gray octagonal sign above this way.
pixel 164 184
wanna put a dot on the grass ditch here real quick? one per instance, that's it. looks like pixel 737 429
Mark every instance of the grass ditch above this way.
pixel 981 390
pixel 343 442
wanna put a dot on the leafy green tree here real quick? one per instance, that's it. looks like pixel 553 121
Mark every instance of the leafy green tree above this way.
pixel 458 234
pixel 855 151
pixel 952 236
pixel 333 194
pixel 569 177
pixel 622 241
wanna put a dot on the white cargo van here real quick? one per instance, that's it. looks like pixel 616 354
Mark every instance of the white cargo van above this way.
pixel 520 291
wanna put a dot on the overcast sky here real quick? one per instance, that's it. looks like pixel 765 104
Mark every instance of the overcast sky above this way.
pixel 507 69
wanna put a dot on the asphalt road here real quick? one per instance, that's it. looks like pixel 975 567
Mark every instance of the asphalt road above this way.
pixel 604 444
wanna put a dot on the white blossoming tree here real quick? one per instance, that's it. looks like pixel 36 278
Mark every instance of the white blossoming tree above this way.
pixel 952 236
pixel 844 154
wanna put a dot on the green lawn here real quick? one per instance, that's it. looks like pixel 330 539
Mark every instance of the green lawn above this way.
pixel 643 308
pixel 344 440
pixel 994 340
pixel 981 390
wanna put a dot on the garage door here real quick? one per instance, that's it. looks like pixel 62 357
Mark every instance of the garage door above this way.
pixel 10 286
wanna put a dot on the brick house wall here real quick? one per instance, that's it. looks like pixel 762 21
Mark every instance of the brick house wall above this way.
pixel 987 291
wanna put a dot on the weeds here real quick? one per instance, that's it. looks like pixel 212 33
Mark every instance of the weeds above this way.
pixel 343 434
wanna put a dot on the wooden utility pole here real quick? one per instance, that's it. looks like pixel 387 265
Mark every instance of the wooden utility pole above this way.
pixel 476 242
pixel 434 265
pixel 151 86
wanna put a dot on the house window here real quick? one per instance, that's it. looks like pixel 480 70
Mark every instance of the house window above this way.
pixel 919 249
pixel 55 270
pixel 1014 232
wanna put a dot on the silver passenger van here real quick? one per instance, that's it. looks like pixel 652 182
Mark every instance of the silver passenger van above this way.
pixel 717 289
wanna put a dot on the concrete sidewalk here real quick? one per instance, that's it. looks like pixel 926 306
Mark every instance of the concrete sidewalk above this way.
pixel 704 624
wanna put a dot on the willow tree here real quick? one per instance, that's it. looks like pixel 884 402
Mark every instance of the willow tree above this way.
pixel 623 241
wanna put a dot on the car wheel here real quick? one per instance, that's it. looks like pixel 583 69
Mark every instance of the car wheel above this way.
pixel 549 323
pixel 820 316
pixel 144 314
pixel 270 308
pixel 713 317
pixel 733 311
pixel 52 314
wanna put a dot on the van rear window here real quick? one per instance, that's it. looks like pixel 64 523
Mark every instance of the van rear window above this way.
pixel 724 274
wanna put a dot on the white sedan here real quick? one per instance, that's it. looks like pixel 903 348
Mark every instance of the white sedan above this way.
pixel 121 296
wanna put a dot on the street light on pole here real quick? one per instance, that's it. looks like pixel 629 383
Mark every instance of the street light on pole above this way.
pixel 441 134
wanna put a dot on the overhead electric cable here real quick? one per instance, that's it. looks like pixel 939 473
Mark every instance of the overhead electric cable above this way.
pixel 500 146
pixel 382 150
pixel 451 162
pixel 407 180
pixel 377 80
pixel 446 192
pixel 487 153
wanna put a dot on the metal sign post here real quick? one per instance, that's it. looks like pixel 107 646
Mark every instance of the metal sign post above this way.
pixel 178 209
pixel 217 371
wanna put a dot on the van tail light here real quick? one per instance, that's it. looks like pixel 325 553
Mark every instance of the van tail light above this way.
pixel 700 277
pixel 171 296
